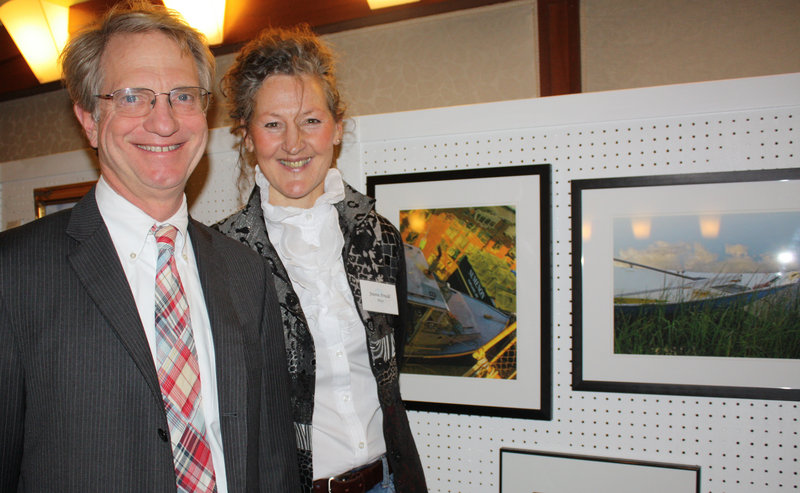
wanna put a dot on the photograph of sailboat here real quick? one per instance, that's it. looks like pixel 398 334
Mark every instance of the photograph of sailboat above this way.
pixel 688 284
pixel 708 285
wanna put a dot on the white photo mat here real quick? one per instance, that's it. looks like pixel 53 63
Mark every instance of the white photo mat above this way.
pixel 598 208
pixel 525 392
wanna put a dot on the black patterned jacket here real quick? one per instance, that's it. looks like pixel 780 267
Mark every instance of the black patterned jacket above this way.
pixel 372 251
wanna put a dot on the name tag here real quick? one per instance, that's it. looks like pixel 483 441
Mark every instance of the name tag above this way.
pixel 379 297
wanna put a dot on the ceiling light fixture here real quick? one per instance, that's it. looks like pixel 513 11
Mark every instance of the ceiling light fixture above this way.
pixel 380 4
pixel 207 16
pixel 40 30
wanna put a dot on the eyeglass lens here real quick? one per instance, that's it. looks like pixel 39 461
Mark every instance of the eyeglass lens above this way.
pixel 140 101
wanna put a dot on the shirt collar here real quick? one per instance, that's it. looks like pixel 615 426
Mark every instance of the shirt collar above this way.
pixel 129 224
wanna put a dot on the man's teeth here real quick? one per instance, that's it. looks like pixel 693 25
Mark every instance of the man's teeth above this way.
pixel 294 164
pixel 159 148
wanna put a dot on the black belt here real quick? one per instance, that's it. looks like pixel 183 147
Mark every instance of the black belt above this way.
pixel 358 480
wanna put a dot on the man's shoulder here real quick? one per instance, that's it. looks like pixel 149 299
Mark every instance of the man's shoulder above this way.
pixel 233 226
pixel 244 272
pixel 231 249
pixel 46 230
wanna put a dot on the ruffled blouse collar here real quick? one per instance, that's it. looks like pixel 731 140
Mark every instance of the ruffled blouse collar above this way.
pixel 309 241
pixel 333 192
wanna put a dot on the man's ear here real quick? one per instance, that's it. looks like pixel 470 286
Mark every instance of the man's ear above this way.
pixel 87 121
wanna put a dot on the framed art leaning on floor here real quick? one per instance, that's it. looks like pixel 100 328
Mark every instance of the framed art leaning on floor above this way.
pixel 544 472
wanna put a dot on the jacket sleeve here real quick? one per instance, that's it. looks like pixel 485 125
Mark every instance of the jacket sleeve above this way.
pixel 12 405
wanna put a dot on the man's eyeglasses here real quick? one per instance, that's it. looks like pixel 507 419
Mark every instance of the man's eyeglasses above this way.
pixel 138 101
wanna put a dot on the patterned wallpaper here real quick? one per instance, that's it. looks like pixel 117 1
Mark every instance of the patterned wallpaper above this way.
pixel 37 126
pixel 476 56
pixel 642 43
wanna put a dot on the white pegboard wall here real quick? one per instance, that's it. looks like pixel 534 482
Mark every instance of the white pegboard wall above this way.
pixel 752 139
pixel 740 445
pixel 214 190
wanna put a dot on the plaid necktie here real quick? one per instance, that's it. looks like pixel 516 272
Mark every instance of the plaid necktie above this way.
pixel 178 372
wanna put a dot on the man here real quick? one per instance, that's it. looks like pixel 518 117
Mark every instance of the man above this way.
pixel 140 351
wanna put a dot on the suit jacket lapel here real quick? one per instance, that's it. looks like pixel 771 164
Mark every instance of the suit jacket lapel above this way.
pixel 95 262
pixel 228 345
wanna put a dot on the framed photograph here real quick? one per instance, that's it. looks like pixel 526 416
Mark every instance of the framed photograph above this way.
pixel 688 284
pixel 477 250
pixel 546 472
pixel 47 200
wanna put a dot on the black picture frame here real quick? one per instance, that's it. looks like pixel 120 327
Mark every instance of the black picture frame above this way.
pixel 542 471
pixel 600 275
pixel 527 191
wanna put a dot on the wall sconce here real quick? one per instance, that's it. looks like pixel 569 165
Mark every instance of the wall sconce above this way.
pixel 207 16
pixel 380 4
pixel 40 30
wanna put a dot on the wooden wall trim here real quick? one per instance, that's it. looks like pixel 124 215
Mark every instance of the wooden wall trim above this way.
pixel 559 47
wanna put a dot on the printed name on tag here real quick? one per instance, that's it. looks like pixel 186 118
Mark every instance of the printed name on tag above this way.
pixel 379 297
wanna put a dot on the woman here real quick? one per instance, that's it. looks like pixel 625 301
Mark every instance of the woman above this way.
pixel 328 250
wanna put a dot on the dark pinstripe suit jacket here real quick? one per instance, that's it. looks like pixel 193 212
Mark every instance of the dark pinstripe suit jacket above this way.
pixel 80 405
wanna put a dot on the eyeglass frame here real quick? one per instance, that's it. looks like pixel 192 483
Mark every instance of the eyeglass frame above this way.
pixel 205 94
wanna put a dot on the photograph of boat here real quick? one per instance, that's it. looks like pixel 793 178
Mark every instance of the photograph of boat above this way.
pixel 641 288
pixel 461 292
pixel 732 291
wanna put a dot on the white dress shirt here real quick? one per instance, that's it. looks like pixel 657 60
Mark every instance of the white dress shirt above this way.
pixel 136 247
pixel 347 421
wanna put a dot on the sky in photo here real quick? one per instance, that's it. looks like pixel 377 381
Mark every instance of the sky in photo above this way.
pixel 749 242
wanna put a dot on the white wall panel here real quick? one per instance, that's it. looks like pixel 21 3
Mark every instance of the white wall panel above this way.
pixel 741 445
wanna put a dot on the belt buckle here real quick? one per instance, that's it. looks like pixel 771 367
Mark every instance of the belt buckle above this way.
pixel 342 478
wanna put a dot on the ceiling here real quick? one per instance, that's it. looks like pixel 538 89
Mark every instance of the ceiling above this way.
pixel 243 19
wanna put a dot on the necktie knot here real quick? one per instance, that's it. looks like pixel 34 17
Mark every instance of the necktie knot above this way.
pixel 165 236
